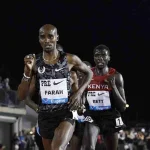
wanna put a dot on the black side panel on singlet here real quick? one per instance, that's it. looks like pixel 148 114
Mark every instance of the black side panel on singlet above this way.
pixel 55 71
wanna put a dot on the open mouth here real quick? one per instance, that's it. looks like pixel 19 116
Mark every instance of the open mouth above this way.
pixel 100 64
pixel 48 46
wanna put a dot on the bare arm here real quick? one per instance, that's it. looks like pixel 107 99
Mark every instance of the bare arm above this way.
pixel 26 87
pixel 31 103
pixel 119 93
pixel 28 100
pixel 77 64
pixel 27 93
pixel 75 81
pixel 28 77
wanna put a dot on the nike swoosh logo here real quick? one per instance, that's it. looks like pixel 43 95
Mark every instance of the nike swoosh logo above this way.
pixel 100 94
pixel 55 83
pixel 59 69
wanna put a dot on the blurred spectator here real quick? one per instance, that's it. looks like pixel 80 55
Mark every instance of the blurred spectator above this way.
pixel 2 147
pixel 130 136
pixel 100 145
pixel 141 143
pixel 6 85
pixel 15 141
pixel 121 140
pixel 1 84
pixel 148 141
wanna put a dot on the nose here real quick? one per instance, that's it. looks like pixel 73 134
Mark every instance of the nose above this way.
pixel 47 40
pixel 100 57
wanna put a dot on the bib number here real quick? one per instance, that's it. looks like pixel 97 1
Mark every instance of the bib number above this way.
pixel 98 100
pixel 119 122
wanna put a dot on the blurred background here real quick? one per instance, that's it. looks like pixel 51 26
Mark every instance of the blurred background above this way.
pixel 121 25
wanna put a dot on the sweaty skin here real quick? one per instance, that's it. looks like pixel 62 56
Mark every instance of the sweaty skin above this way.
pixel 48 38
pixel 115 81
pixel 74 87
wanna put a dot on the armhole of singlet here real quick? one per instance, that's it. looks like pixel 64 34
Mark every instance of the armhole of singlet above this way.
pixel 69 74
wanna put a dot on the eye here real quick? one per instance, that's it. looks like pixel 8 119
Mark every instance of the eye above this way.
pixel 51 37
pixel 42 36
pixel 96 55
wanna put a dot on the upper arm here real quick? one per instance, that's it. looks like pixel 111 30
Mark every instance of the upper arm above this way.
pixel 75 81
pixel 77 64
pixel 120 84
pixel 32 87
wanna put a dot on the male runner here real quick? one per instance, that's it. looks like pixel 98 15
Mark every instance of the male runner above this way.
pixel 34 106
pixel 76 140
pixel 105 98
pixel 48 74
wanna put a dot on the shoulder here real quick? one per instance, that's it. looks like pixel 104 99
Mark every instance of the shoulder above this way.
pixel 118 78
pixel 72 58
pixel 118 75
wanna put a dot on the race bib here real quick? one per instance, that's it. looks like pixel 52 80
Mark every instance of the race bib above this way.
pixel 98 100
pixel 54 91
pixel 119 122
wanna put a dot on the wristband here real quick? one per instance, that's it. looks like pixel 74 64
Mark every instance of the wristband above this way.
pixel 26 76
pixel 26 79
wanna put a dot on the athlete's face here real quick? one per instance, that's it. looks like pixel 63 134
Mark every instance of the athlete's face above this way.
pixel 101 58
pixel 48 38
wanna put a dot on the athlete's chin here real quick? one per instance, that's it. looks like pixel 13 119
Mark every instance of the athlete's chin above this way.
pixel 100 66
pixel 48 50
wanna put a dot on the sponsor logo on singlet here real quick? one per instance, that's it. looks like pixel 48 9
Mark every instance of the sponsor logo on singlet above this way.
pixel 41 70
pixel 98 100
pixel 54 91
pixel 98 86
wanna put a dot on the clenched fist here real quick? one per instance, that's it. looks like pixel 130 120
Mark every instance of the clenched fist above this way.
pixel 29 62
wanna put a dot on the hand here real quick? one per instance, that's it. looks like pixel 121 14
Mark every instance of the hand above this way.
pixel 81 110
pixel 74 101
pixel 111 80
pixel 29 61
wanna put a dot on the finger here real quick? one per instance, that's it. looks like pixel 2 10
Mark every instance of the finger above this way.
pixel 71 105
pixel 28 61
pixel 30 56
pixel 70 101
pixel 27 56
pixel 33 55
pixel 75 106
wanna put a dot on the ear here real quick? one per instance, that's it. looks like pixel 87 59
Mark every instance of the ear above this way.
pixel 57 37
pixel 108 58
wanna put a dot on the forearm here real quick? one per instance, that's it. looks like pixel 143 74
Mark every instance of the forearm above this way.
pixel 86 81
pixel 31 104
pixel 23 89
pixel 119 100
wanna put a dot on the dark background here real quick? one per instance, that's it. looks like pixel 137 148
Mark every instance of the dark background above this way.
pixel 122 25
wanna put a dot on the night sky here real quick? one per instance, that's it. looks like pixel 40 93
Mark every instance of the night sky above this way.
pixel 122 25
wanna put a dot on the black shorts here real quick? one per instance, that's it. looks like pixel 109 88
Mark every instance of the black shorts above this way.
pixel 49 121
pixel 79 129
pixel 108 124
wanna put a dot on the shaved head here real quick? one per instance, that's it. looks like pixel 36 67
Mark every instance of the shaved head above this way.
pixel 48 37
pixel 48 27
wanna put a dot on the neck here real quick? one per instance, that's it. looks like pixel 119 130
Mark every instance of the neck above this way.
pixel 102 71
pixel 50 56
